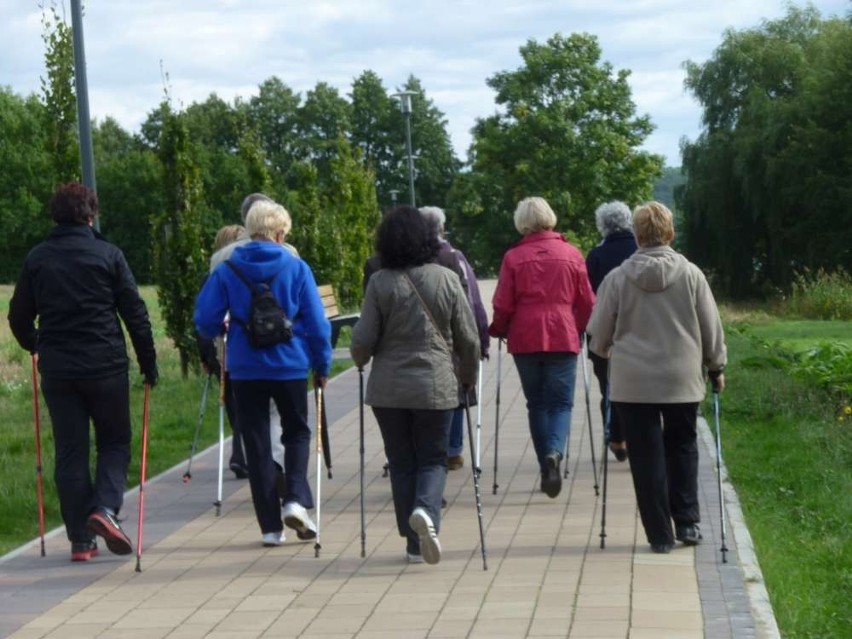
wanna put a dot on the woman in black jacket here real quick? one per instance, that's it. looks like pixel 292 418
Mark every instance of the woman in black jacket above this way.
pixel 615 224
pixel 78 285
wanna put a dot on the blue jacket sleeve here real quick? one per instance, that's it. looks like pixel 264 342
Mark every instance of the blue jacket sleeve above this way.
pixel 211 306
pixel 317 327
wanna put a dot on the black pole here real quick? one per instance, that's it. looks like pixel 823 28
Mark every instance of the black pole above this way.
pixel 84 123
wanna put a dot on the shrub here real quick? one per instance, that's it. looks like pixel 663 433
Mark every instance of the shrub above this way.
pixel 821 295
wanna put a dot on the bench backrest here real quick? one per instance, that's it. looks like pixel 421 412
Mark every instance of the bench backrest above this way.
pixel 329 301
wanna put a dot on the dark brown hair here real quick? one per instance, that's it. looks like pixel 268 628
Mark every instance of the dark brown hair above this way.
pixel 73 203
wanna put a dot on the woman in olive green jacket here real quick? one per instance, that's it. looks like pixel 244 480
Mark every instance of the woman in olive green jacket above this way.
pixel 415 317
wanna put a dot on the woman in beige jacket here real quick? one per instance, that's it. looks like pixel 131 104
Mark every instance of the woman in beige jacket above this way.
pixel 415 317
pixel 657 322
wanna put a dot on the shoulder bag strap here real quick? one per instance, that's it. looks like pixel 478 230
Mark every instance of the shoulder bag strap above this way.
pixel 428 312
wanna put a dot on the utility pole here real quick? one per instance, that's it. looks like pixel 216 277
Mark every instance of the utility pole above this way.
pixel 84 121
pixel 405 104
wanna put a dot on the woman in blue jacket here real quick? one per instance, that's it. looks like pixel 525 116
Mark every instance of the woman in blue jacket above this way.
pixel 278 372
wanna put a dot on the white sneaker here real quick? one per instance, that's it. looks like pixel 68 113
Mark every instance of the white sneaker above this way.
pixel 414 559
pixel 297 518
pixel 273 539
pixel 430 547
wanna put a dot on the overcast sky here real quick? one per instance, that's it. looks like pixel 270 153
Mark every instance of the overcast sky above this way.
pixel 230 46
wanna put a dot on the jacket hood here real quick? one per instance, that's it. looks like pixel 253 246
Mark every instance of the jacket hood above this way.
pixel 654 269
pixel 261 261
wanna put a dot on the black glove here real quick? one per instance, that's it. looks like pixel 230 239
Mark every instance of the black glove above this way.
pixel 714 380
pixel 207 354
pixel 151 374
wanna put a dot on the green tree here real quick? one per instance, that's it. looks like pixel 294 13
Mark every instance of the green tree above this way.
pixel 566 129
pixel 130 191
pixel 26 181
pixel 770 176
pixel 180 255
pixel 60 102
pixel 273 114
pixel 321 120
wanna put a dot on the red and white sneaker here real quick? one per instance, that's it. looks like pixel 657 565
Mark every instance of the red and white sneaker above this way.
pixel 83 550
pixel 104 524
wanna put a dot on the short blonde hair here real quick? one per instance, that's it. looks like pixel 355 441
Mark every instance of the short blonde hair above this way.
pixel 227 235
pixel 533 215
pixel 266 218
pixel 653 224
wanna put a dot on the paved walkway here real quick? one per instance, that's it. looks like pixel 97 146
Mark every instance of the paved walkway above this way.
pixel 208 576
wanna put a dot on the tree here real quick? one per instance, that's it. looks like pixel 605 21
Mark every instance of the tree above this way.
pixel 375 131
pixel 130 191
pixel 321 120
pixel 26 181
pixel 59 96
pixel 770 176
pixel 272 113
pixel 180 258
pixel 566 129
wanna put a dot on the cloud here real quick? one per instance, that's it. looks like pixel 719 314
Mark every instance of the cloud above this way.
pixel 230 46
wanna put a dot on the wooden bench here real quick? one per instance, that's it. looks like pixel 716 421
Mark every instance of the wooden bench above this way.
pixel 332 313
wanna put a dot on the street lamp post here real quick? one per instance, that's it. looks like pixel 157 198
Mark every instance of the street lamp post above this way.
pixel 84 123
pixel 405 104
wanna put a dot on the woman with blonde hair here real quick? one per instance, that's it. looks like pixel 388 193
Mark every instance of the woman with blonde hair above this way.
pixel 541 305
pixel 657 323
pixel 278 372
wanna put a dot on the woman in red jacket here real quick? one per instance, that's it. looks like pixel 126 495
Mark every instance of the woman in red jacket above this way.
pixel 542 303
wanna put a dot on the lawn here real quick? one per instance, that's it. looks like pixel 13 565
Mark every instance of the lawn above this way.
pixel 174 414
pixel 788 448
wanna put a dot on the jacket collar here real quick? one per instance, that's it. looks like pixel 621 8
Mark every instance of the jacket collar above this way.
pixel 72 230
pixel 541 236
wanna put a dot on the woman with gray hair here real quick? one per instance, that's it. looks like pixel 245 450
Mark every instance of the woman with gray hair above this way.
pixel 541 305
pixel 613 220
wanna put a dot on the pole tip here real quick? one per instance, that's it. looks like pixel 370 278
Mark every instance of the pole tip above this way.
pixel 186 478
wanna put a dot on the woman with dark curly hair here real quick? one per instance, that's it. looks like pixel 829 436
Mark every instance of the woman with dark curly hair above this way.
pixel 415 317
pixel 78 285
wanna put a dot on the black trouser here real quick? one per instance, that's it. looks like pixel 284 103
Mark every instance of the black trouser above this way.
pixel 290 396
pixel 72 405
pixel 661 444
pixel 237 453
pixel 416 449
pixel 601 367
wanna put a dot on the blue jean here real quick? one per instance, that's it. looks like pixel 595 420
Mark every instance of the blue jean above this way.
pixel 455 443
pixel 416 449
pixel 548 383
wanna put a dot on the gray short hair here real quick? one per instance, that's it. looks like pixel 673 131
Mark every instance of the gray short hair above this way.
pixel 436 215
pixel 266 218
pixel 251 199
pixel 613 217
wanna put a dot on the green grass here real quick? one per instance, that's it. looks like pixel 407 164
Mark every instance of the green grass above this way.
pixel 173 417
pixel 789 453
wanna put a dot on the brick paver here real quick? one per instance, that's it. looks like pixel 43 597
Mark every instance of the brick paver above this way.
pixel 208 576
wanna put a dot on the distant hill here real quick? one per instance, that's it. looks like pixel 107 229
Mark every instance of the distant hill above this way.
pixel 664 188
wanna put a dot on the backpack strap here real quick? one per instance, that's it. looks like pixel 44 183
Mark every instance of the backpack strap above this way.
pixel 246 280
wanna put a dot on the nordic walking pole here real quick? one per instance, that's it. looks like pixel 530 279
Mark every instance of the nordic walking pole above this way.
pixel 188 474
pixel 583 355
pixel 478 418
pixel 475 472
pixel 318 395
pixel 326 445
pixel 724 548
pixel 142 469
pixel 361 453
pixel 39 472
pixel 605 464
pixel 218 502
pixel 495 486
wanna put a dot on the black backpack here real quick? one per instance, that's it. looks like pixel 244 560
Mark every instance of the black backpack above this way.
pixel 267 325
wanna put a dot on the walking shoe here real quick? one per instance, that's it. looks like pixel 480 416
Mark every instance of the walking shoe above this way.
pixel 240 471
pixel 83 550
pixel 620 451
pixel 689 534
pixel 297 518
pixel 430 547
pixel 662 549
pixel 454 462
pixel 104 524
pixel 443 503
pixel 414 558
pixel 272 539
pixel 551 477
